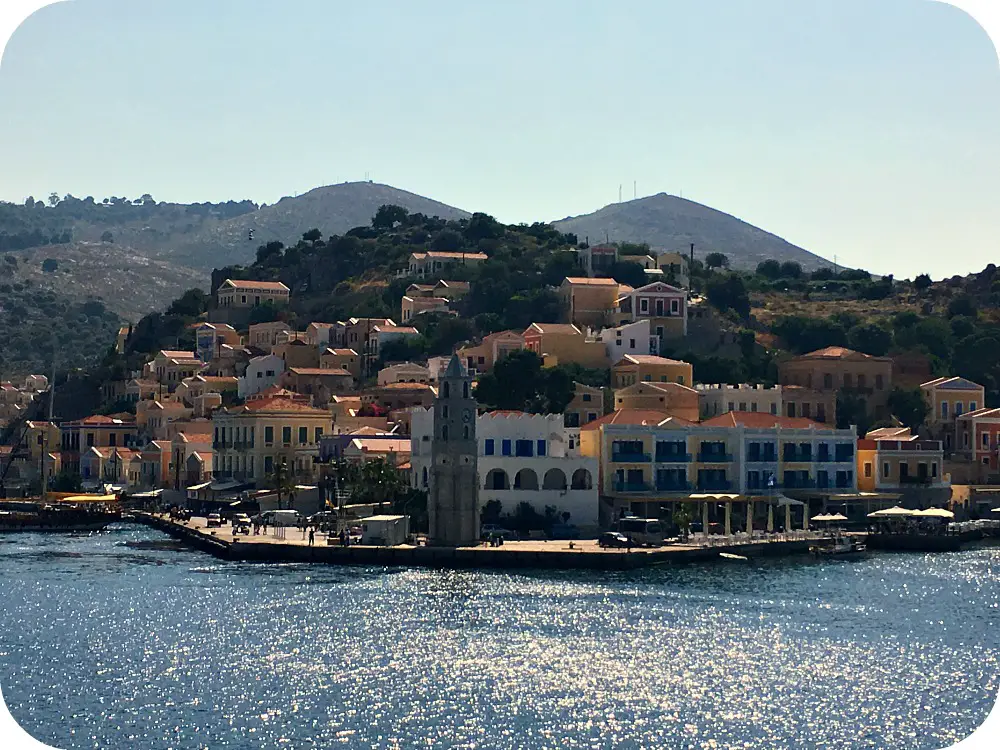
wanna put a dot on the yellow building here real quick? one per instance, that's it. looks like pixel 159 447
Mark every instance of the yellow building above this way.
pixel 587 406
pixel 893 459
pixel 562 343
pixel 947 400
pixel 648 368
pixel 41 436
pixel 341 359
pixel 494 347
pixel 250 440
pixel 589 302
pixel 672 398
pixel 264 336
pixel 836 369
pixel 171 367
pixel 240 293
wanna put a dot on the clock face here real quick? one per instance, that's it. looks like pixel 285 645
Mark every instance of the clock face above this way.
pixel 467 417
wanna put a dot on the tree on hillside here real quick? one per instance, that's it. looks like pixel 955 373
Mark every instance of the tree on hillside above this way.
pixel 107 237
pixel 53 199
pixel 716 260
pixel 388 216
pixel 962 305
pixel 804 334
pixel 728 292
pixel 922 282
pixel 870 338
pixel 628 272
pixel 852 409
pixel 769 269
pixel 50 265
pixel 791 270
pixel 908 406
pixel 483 227
pixel 520 383
pixel 312 236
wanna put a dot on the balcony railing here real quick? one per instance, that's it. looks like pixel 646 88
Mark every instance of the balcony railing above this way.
pixel 673 486
pixel 767 458
pixel 633 488
pixel 799 484
pixel 631 458
pixel 798 457
pixel 673 458
pixel 715 486
pixel 715 458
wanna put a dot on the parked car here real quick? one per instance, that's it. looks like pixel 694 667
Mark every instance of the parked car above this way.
pixel 612 539
pixel 241 523
pixel 214 519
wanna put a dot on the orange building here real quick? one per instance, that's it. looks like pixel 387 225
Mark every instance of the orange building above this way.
pixel 837 369
pixel 563 343
pixel 672 398
pixel 648 368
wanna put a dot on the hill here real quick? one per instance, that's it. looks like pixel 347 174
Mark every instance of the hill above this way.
pixel 333 209
pixel 666 222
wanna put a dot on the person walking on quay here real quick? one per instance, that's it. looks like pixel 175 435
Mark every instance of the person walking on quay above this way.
pixel 312 535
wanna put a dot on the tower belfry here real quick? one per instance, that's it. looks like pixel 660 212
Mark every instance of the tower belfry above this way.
pixel 453 505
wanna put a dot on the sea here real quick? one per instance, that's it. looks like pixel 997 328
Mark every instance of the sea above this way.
pixel 124 640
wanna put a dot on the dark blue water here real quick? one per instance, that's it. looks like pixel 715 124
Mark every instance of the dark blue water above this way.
pixel 104 645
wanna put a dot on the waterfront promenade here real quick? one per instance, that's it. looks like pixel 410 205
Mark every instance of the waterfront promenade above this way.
pixel 288 544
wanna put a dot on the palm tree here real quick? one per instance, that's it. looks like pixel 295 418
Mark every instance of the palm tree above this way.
pixel 381 481
pixel 282 479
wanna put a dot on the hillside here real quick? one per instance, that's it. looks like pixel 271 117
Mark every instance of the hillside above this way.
pixel 666 222
pixel 333 209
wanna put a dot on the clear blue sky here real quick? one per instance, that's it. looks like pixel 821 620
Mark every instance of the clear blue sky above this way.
pixel 868 129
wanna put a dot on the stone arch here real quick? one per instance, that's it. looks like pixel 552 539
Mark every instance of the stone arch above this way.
pixel 497 479
pixel 555 479
pixel 526 479
pixel 582 480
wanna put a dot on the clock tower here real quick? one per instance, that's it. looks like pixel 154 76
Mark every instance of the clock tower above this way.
pixel 453 505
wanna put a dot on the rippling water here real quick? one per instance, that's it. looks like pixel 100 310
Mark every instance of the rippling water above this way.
pixel 108 645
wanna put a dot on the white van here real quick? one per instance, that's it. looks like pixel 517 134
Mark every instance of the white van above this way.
pixel 281 517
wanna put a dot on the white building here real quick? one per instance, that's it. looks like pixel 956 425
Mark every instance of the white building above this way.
pixel 262 372
pixel 714 400
pixel 522 458
pixel 631 338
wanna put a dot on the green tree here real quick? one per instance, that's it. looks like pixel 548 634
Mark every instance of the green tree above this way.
pixel 312 236
pixel 50 265
pixel 852 410
pixel 769 269
pixel 629 272
pixel 282 479
pixel 380 482
pixel 388 216
pixel 962 305
pixel 107 236
pixel 518 382
pixel 791 270
pixel 909 407
pixel 870 338
pixel 716 260
pixel 922 282
pixel 683 515
pixel 728 292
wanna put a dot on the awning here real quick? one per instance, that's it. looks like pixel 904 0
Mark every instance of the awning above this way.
pixel 934 513
pixel 895 512
pixel 720 498
pixel 89 499
pixel 201 486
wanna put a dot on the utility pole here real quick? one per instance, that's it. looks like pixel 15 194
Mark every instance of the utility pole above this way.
pixel 48 430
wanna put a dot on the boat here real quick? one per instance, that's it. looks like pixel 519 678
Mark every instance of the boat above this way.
pixel 54 518
pixel 731 556
pixel 839 545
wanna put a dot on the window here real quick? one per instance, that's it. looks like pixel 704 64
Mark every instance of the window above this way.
pixel 540 448
pixel 806 410
pixel 318 433
pixel 886 470
pixel 268 464
pixel 743 405
pixel 505 447
pixel 986 440
pixel 958 408
pixel 447 390
pixel 465 432
pixel 847 380
pixel 868 469
pixel 732 406
pixel 986 461
pixel 90 440
pixel 828 381
pixel 489 447
pixel 523 449
pixel 586 398
pixel 591 416
pixel 286 435
pixel 861 381
pixel 631 343
pixel 934 469
pixel 444 432
pixel 112 439
pixel 644 305
pixel 753 406
pixel 675 306
pixel 972 406
pixel 444 411
pixel 303 435
pixel 944 410
pixel 878 382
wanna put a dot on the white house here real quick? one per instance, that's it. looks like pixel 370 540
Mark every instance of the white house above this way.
pixel 630 338
pixel 522 458
pixel 262 372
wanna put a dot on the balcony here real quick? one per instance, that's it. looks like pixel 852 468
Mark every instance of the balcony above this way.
pixel 631 488
pixel 673 458
pixel 673 486
pixel 631 458
pixel 715 458
pixel 799 484
pixel 715 486
pixel 797 457
pixel 767 458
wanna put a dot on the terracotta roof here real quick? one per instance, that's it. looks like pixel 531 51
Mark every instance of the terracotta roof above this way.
pixel 505 413
pixel 100 419
pixel 758 419
pixel 584 281
pixel 980 413
pixel 464 285
pixel 173 354
pixel 368 430
pixel 953 384
pixel 247 284
pixel 342 352
pixel 890 433
pixel 382 445
pixel 332 371
pixel 650 359
pixel 553 328
pixel 628 416
pixel 396 329
pixel 837 352
pixel 456 256
pixel 281 403
pixel 406 386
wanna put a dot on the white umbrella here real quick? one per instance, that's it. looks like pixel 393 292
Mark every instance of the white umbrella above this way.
pixel 838 517
pixel 934 513
pixel 823 517
pixel 895 512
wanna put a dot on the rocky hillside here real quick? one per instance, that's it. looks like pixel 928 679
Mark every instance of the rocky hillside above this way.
pixel 666 222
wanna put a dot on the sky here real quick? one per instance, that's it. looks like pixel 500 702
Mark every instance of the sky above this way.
pixel 868 130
